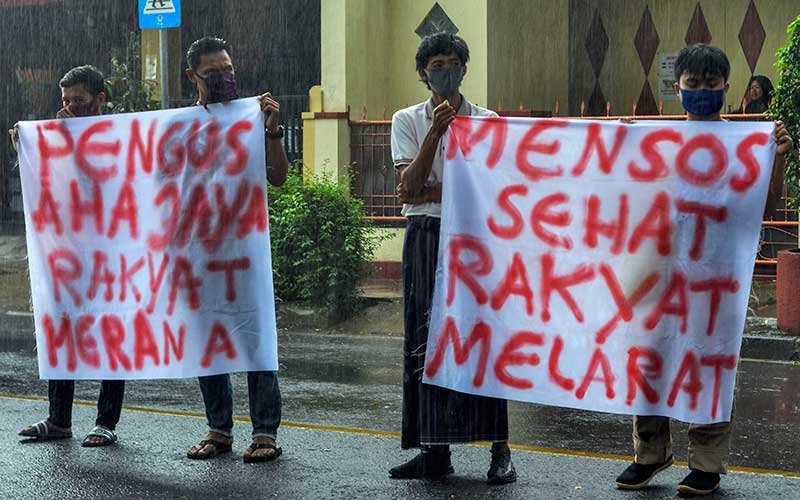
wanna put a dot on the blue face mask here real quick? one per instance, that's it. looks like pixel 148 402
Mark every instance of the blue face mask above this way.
pixel 702 102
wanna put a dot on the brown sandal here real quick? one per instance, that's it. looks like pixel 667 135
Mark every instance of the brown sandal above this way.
pixel 219 447
pixel 250 459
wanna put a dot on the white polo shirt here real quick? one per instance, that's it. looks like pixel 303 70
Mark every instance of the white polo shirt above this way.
pixel 409 127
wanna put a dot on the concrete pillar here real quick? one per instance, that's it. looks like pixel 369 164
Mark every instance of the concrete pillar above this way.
pixel 309 130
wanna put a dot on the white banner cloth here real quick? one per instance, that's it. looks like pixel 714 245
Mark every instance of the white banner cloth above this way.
pixel 598 265
pixel 148 243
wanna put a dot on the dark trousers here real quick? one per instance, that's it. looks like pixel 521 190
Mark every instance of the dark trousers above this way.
pixel 434 415
pixel 265 403
pixel 109 405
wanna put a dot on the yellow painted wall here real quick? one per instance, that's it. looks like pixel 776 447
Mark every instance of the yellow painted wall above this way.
pixel 524 50
pixel 390 250
pixel 368 49
pixel 528 47
pixel 368 46
pixel 331 148
pixel 150 50
pixel 470 17
pixel 333 54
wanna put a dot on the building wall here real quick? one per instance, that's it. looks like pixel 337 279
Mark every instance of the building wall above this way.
pixel 368 50
pixel 622 74
pixel 528 54
pixel 470 18
pixel 537 52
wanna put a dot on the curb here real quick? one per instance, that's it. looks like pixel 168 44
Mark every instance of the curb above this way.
pixel 771 347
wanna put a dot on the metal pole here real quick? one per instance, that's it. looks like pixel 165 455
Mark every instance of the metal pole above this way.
pixel 164 64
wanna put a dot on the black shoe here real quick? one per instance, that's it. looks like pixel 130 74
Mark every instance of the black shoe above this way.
pixel 426 465
pixel 637 476
pixel 699 483
pixel 501 471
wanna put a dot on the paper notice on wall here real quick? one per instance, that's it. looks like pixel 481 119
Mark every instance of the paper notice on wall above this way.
pixel 666 76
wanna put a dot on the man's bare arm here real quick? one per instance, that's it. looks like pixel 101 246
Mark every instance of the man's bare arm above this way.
pixel 277 162
pixel 784 144
pixel 429 194
pixel 775 187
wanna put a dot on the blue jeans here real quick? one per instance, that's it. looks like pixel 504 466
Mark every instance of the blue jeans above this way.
pixel 265 403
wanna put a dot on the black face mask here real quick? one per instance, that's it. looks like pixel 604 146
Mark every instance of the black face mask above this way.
pixel 445 81
pixel 85 109
pixel 221 87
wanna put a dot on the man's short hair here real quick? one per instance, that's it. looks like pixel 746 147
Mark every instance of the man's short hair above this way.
pixel 702 60
pixel 441 44
pixel 205 45
pixel 88 76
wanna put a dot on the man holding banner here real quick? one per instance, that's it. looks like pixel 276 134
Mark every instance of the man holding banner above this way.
pixel 82 94
pixel 434 417
pixel 606 266
pixel 211 70
pixel 701 75
pixel 148 246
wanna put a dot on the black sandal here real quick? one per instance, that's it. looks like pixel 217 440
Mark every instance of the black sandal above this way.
pixel 45 431
pixel 250 459
pixel 100 431
pixel 219 448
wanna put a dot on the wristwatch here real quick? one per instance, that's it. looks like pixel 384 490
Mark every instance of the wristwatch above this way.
pixel 276 135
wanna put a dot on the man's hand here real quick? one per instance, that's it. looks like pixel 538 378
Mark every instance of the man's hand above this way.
pixel 405 195
pixel 64 113
pixel 782 139
pixel 429 194
pixel 271 110
pixel 433 194
pixel 13 133
pixel 443 116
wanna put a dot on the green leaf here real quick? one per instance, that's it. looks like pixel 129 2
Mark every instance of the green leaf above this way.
pixel 786 106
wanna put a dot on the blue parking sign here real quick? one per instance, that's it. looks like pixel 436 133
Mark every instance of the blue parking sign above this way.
pixel 157 14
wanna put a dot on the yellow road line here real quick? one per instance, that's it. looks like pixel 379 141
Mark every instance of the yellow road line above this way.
pixel 394 435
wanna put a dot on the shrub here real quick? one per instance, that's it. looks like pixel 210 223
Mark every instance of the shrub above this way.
pixel 320 243
pixel 786 105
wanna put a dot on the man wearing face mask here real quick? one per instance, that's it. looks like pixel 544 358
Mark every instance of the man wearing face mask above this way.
pixel 82 94
pixel 434 417
pixel 701 72
pixel 211 71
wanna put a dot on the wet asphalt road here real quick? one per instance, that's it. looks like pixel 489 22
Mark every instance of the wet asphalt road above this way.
pixel 354 383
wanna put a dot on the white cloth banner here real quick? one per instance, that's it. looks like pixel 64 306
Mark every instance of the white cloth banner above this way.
pixel 598 265
pixel 148 243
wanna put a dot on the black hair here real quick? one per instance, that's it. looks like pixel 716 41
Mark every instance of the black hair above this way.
pixel 88 76
pixel 766 87
pixel 205 45
pixel 439 44
pixel 762 104
pixel 702 60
